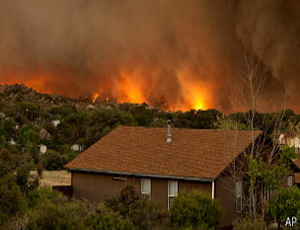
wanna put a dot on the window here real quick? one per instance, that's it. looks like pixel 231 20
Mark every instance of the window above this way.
pixel 146 187
pixel 290 181
pixel 172 191
pixel 239 193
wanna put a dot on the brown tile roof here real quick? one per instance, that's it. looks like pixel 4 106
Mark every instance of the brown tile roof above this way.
pixel 296 162
pixel 195 153
pixel 297 178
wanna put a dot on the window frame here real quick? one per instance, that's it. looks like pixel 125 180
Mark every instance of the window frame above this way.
pixel 143 193
pixel 290 181
pixel 239 204
pixel 172 195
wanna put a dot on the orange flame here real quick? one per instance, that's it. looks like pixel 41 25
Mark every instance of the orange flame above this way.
pixel 196 94
pixel 130 87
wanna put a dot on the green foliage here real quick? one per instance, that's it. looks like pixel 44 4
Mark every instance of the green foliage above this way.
pixel 248 223
pixel 196 119
pixel 58 214
pixel 229 123
pixel 11 199
pixel 285 203
pixel 27 134
pixel 143 213
pixel 52 160
pixel 42 195
pixel 103 218
pixel 288 154
pixel 195 210
pixel 270 174
pixel 67 151
pixel 58 112
pixel 7 162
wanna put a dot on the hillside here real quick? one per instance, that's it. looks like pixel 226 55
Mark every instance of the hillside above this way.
pixel 19 93
pixel 66 126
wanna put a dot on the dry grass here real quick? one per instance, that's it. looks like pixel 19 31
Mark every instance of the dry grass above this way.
pixel 50 178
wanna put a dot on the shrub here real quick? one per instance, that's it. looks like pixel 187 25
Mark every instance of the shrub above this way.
pixel 195 210
pixel 8 162
pixel 59 214
pixel 52 160
pixel 105 219
pixel 12 200
pixel 43 195
pixel 285 203
pixel 248 223
pixel 143 213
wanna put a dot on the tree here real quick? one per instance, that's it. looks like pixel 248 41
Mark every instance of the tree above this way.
pixel 12 200
pixel 262 168
pixel 52 160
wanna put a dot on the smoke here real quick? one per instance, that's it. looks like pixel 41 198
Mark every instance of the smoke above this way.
pixel 77 47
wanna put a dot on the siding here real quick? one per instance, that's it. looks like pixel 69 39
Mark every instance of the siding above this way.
pixel 225 193
pixel 96 187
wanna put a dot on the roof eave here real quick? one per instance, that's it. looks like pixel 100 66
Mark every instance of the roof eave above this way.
pixel 172 177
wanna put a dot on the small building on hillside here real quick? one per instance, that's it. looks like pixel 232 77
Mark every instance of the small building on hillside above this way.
pixel 55 123
pixel 77 147
pixel 161 164
pixel 42 149
pixel 290 139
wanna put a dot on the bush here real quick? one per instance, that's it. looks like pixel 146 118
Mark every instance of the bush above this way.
pixel 43 195
pixel 195 210
pixel 11 199
pixel 285 203
pixel 248 223
pixel 143 213
pixel 8 162
pixel 52 160
pixel 105 219
pixel 59 214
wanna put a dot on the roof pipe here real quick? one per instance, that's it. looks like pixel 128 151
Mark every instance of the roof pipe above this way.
pixel 169 137
pixel 213 189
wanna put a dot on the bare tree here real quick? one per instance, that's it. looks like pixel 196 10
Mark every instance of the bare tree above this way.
pixel 263 150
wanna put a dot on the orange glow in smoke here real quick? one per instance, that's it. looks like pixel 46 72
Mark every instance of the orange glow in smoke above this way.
pixel 130 87
pixel 38 82
pixel 196 94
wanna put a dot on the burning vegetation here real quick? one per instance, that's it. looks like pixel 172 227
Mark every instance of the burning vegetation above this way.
pixel 129 88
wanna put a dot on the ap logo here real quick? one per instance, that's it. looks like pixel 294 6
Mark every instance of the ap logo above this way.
pixel 290 222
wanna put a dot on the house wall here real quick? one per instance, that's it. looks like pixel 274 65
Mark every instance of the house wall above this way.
pixel 95 187
pixel 225 193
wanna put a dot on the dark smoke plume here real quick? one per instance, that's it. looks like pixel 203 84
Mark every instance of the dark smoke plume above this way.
pixel 76 47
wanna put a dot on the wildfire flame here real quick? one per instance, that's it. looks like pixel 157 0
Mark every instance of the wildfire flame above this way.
pixel 132 87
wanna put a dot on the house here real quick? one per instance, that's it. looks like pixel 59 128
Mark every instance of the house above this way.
pixel 12 141
pixel 77 147
pixel 161 163
pixel 42 149
pixel 55 123
pixel 44 134
pixel 290 139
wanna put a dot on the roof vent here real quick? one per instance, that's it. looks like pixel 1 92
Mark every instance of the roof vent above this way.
pixel 169 137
